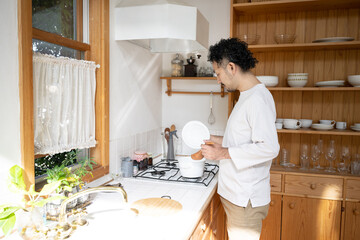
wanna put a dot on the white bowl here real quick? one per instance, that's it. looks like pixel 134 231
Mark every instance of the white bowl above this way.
pixel 297 83
pixel 321 126
pixel 190 168
pixel 298 74
pixel 269 81
pixel 194 133
pixel 354 80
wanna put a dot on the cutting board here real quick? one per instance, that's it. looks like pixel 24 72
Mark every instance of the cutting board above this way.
pixel 156 207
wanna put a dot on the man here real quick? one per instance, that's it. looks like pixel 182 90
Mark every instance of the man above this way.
pixel 249 144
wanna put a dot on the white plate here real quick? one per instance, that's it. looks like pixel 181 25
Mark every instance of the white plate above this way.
pixel 334 39
pixel 355 128
pixel 333 83
pixel 319 126
pixel 194 133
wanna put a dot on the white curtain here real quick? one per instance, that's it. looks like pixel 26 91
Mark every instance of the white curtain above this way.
pixel 64 104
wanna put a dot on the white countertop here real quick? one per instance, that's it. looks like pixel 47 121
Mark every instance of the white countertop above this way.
pixel 118 223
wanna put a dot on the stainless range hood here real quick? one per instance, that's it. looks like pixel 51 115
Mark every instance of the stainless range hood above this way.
pixel 162 26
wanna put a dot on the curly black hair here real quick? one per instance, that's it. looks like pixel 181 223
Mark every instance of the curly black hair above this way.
pixel 232 50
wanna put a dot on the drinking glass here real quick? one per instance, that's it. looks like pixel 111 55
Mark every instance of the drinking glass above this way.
pixel 304 157
pixel 285 158
pixel 315 156
pixel 330 155
pixel 343 165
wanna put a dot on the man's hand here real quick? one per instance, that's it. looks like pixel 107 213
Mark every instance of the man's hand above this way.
pixel 214 151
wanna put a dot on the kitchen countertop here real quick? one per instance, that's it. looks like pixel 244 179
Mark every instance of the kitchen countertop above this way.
pixel 124 224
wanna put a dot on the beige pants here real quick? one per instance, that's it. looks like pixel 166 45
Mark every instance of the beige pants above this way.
pixel 244 223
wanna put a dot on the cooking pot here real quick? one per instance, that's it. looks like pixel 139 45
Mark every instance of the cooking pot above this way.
pixel 190 168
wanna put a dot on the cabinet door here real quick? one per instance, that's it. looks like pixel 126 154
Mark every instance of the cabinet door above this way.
pixel 352 221
pixel 218 226
pixel 310 219
pixel 272 223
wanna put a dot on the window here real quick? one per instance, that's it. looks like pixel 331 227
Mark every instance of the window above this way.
pixel 66 37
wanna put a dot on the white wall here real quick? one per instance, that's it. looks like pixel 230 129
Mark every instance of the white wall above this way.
pixel 10 152
pixel 135 98
pixel 178 108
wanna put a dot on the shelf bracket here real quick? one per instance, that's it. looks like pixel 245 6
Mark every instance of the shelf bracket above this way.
pixel 168 84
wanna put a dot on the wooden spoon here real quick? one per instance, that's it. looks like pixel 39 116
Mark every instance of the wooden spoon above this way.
pixel 172 128
pixel 198 155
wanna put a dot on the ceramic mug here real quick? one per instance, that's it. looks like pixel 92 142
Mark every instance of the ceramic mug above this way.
pixel 328 122
pixel 292 124
pixel 278 125
pixel 306 123
pixel 341 125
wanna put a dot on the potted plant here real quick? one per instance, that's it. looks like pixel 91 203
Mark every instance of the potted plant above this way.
pixel 28 210
pixel 71 181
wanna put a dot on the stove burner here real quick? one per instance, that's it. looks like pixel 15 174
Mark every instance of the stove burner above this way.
pixel 157 173
pixel 170 164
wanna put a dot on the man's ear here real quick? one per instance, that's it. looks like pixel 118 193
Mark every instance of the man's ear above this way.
pixel 232 68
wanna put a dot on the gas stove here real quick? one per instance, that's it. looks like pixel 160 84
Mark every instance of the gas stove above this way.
pixel 168 170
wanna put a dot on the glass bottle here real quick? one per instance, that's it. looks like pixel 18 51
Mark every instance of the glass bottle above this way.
pixel 177 66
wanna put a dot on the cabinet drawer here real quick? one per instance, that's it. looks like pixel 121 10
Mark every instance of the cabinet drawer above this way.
pixel 203 227
pixel 353 189
pixel 329 188
pixel 275 182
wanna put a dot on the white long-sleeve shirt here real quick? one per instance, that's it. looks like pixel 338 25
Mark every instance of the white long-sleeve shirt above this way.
pixel 252 141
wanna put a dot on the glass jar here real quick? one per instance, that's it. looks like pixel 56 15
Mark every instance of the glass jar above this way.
pixel 177 66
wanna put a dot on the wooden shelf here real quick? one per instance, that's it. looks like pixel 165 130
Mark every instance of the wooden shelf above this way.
pixel 305 46
pixel 329 132
pixel 314 88
pixel 293 5
pixel 169 91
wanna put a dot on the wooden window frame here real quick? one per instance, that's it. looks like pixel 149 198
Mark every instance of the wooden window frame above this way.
pixel 97 50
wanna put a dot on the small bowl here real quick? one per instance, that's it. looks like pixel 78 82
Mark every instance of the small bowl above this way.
pixel 284 38
pixel 297 82
pixel 306 123
pixel 354 80
pixel 250 38
pixel 269 81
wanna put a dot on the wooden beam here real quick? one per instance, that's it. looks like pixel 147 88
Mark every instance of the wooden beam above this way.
pixel 59 40
pixel 99 41
pixel 25 90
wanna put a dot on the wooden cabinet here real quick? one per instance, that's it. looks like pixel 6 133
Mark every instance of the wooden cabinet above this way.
pixel 310 219
pixel 212 225
pixel 352 221
pixel 271 227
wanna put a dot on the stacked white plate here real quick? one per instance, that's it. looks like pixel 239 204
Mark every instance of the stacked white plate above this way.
pixel 355 128
pixel 320 126
pixel 194 133
pixel 332 83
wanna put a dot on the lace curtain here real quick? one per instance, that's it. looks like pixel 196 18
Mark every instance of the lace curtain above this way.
pixel 64 104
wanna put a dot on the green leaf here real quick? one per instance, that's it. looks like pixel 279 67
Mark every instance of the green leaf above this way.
pixel 8 211
pixel 49 188
pixel 15 180
pixel 32 191
pixel 8 224
pixel 44 201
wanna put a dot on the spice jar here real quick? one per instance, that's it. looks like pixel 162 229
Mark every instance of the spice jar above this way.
pixel 177 66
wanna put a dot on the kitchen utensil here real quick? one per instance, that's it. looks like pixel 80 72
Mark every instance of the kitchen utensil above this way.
pixel 268 81
pixel 334 39
pixel 190 168
pixel 194 133
pixel 249 38
pixel 156 207
pixel 211 119
pixel 127 167
pixel 172 128
pixel 354 80
pixel 198 155
pixel 284 38
pixel 332 83
pixel 167 134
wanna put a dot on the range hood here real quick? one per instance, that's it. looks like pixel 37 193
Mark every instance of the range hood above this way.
pixel 162 26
